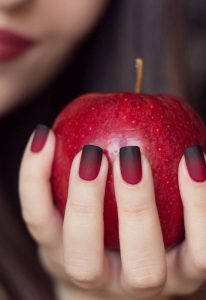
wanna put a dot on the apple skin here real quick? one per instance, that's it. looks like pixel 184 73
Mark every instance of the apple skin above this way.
pixel 161 125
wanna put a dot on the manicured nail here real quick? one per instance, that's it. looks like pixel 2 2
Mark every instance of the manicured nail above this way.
pixel 195 162
pixel 39 139
pixel 90 162
pixel 130 164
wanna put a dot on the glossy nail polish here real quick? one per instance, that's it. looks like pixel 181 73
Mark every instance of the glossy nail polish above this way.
pixel 39 139
pixel 195 162
pixel 130 164
pixel 90 162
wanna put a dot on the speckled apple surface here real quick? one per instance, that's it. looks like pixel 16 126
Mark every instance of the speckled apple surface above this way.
pixel 161 125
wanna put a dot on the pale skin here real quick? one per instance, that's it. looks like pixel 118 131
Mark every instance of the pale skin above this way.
pixel 72 250
pixel 56 27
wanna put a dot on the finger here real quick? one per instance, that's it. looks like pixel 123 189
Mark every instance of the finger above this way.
pixel 141 242
pixel 38 211
pixel 193 194
pixel 178 281
pixel 84 257
pixel 190 257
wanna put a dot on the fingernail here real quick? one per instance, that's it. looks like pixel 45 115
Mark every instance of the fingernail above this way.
pixel 130 164
pixel 90 162
pixel 39 139
pixel 195 162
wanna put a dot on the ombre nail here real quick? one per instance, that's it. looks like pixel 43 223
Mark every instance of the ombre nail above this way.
pixel 90 162
pixel 130 164
pixel 39 139
pixel 195 162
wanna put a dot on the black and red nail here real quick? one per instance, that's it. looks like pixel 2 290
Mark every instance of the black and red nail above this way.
pixel 90 162
pixel 39 139
pixel 130 164
pixel 195 162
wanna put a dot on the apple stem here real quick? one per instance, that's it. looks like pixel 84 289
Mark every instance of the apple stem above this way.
pixel 139 74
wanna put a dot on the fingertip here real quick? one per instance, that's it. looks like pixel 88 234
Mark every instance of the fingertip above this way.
pixel 76 163
pixel 104 167
pixel 146 171
pixel 183 179
pixel 182 170
pixel 190 188
pixel 38 163
pixel 184 176
pixel 41 139
pixel 116 168
pixel 146 167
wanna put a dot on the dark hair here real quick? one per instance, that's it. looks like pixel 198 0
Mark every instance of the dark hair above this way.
pixel 155 31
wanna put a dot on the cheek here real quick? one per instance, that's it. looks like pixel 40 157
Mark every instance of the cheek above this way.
pixel 31 72
pixel 70 18
pixel 58 25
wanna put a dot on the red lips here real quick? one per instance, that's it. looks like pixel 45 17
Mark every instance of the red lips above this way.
pixel 12 45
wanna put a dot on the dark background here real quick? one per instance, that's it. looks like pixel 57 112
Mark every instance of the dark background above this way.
pixel 170 35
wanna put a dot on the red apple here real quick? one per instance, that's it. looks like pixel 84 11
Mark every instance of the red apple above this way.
pixel 162 126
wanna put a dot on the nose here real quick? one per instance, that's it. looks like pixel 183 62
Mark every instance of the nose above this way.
pixel 12 4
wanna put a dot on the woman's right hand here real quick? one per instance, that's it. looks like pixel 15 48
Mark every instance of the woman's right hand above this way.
pixel 72 250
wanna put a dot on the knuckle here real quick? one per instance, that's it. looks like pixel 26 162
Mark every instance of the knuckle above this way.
pixel 199 206
pixel 34 220
pixel 29 186
pixel 80 207
pixel 147 279
pixel 135 209
pixel 146 282
pixel 83 275
pixel 27 178
pixel 187 290
pixel 51 263
pixel 200 191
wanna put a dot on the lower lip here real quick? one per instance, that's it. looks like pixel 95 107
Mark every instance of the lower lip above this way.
pixel 12 46
pixel 10 53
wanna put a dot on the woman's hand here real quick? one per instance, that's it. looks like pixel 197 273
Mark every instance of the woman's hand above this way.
pixel 72 251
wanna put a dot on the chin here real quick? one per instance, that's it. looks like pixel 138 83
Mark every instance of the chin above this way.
pixel 10 99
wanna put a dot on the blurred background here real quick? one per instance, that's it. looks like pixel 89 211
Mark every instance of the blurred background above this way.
pixel 170 35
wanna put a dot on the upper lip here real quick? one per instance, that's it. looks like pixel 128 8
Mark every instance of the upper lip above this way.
pixel 9 37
